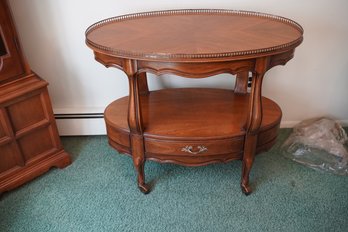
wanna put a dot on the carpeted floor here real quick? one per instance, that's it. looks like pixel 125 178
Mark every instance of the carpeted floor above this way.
pixel 98 193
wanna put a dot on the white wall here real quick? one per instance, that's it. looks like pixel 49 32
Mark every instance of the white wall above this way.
pixel 313 84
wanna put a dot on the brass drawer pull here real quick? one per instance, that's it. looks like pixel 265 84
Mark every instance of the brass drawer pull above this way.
pixel 189 149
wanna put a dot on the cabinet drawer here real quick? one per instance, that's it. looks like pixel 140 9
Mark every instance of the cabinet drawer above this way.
pixel 193 148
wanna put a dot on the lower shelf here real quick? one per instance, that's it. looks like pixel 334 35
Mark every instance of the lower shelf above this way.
pixel 192 127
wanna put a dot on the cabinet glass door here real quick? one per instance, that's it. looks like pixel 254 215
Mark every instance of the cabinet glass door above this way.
pixel 12 63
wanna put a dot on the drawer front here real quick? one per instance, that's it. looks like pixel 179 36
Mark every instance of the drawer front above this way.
pixel 194 148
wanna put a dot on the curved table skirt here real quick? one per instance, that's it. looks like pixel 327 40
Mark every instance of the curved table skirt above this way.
pixel 192 127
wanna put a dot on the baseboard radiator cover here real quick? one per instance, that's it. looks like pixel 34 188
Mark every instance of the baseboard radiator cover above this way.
pixel 80 124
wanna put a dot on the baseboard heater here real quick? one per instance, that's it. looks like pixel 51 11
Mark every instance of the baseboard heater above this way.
pixel 80 124
pixel 79 116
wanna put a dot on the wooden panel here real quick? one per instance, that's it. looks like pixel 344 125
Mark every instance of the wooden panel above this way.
pixel 196 70
pixel 9 157
pixel 3 132
pixel 36 143
pixel 26 113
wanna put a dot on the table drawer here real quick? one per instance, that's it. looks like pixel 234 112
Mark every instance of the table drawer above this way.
pixel 194 148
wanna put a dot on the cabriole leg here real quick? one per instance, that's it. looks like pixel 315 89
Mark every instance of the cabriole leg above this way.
pixel 253 122
pixel 137 84
pixel 248 160
pixel 139 162
pixel 144 188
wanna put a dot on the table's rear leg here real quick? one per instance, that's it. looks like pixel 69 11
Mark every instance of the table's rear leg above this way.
pixel 143 86
pixel 242 80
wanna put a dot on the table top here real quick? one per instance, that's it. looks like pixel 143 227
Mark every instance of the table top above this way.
pixel 194 35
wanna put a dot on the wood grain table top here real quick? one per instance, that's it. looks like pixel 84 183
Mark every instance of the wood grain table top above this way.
pixel 194 35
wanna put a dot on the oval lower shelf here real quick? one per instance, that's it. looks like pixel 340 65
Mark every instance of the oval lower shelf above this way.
pixel 175 119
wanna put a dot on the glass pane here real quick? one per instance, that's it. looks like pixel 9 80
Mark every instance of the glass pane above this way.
pixel 2 47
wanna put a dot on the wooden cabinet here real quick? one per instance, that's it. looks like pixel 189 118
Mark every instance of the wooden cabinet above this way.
pixel 29 140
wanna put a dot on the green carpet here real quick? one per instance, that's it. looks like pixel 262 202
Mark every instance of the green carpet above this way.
pixel 98 193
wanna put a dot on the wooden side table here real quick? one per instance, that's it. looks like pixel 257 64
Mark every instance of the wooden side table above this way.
pixel 194 127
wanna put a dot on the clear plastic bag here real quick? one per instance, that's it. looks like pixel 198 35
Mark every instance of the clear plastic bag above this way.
pixel 320 144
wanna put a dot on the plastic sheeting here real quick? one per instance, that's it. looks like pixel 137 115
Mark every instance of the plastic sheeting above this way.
pixel 320 144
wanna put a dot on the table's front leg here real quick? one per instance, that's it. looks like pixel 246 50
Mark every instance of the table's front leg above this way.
pixel 135 121
pixel 253 122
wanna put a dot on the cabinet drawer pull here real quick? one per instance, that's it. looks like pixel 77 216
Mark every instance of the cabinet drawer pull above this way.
pixel 189 149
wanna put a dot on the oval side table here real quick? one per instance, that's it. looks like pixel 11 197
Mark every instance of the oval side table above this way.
pixel 194 126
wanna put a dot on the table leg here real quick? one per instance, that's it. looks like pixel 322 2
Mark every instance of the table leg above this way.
pixel 143 86
pixel 241 85
pixel 135 123
pixel 137 144
pixel 253 122
pixel 248 160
